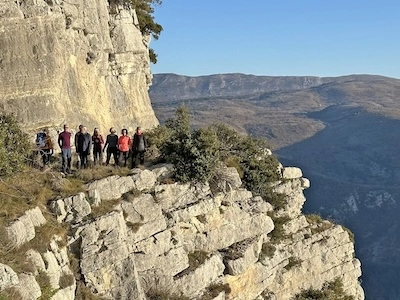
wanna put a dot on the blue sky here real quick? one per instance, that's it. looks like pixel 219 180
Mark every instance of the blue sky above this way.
pixel 278 38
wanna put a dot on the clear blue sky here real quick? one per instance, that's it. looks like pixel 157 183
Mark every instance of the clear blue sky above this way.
pixel 278 38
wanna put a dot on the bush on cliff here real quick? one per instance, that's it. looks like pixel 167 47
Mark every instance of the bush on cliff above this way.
pixel 144 11
pixel 14 145
pixel 196 153
pixel 332 290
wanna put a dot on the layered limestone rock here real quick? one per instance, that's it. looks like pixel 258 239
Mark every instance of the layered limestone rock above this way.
pixel 191 242
pixel 48 274
pixel 74 62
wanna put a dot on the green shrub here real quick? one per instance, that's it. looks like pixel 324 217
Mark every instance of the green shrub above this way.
pixel 14 146
pixel 293 262
pixel 197 153
pixel 278 234
pixel 314 219
pixel 194 153
pixel 332 290
pixel 44 282
pixel 213 290
pixel 268 250
pixel 154 294
pixel 145 14
pixel 318 224
pixel 156 138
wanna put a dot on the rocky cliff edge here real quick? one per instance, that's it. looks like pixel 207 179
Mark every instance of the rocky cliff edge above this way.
pixel 188 241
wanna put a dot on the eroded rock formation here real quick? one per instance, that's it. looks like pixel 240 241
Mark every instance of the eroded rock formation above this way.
pixel 74 61
pixel 193 241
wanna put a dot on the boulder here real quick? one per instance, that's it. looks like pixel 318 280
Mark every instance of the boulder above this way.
pixel 144 179
pixel 72 209
pixel 193 283
pixel 8 277
pixel 23 229
pixel 112 187
pixel 291 173
pixel 226 179
pixel 28 288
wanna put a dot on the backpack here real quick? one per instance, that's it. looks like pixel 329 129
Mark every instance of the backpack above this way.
pixel 41 139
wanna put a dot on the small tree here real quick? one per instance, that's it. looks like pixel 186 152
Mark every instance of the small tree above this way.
pixel 14 145
pixel 197 153
pixel 193 152
pixel 144 11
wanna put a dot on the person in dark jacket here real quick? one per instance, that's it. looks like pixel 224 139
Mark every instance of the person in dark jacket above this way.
pixel 98 143
pixel 112 143
pixel 83 146
pixel 47 150
pixel 78 158
pixel 139 146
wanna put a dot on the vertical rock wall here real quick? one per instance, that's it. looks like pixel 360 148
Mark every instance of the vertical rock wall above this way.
pixel 81 61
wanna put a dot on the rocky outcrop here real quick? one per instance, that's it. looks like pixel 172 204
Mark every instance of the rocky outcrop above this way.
pixel 74 62
pixel 23 229
pixel 188 240
pixel 192 241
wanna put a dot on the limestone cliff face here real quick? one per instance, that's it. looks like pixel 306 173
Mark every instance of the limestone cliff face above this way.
pixel 78 61
pixel 184 241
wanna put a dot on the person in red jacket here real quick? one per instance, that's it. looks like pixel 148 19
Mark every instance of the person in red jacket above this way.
pixel 124 144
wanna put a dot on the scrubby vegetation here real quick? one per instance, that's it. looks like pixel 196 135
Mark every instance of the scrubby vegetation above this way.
pixel 292 263
pixel 147 25
pixel 197 153
pixel 330 291
pixel 14 145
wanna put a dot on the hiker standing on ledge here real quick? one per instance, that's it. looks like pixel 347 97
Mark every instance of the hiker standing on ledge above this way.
pixel 47 148
pixel 83 146
pixel 139 146
pixel 98 142
pixel 112 143
pixel 124 143
pixel 64 141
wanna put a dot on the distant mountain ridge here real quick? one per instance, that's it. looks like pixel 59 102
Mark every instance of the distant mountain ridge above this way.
pixel 276 107
pixel 237 84
pixel 344 133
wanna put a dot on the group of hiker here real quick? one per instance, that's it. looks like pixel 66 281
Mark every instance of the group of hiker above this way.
pixel 121 148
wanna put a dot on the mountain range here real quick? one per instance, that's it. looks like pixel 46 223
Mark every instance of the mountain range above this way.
pixel 343 132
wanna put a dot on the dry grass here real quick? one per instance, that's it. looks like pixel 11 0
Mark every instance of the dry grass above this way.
pixel 10 294
pixel 237 250
pixel 66 280
pixel 196 259
pixel 99 172
pixel 131 195
pixel 214 290
pixel 84 293
pixel 16 257
pixel 318 224
pixel 44 282
pixel 31 188
pixel 23 191
pixel 163 294
pixel 105 207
